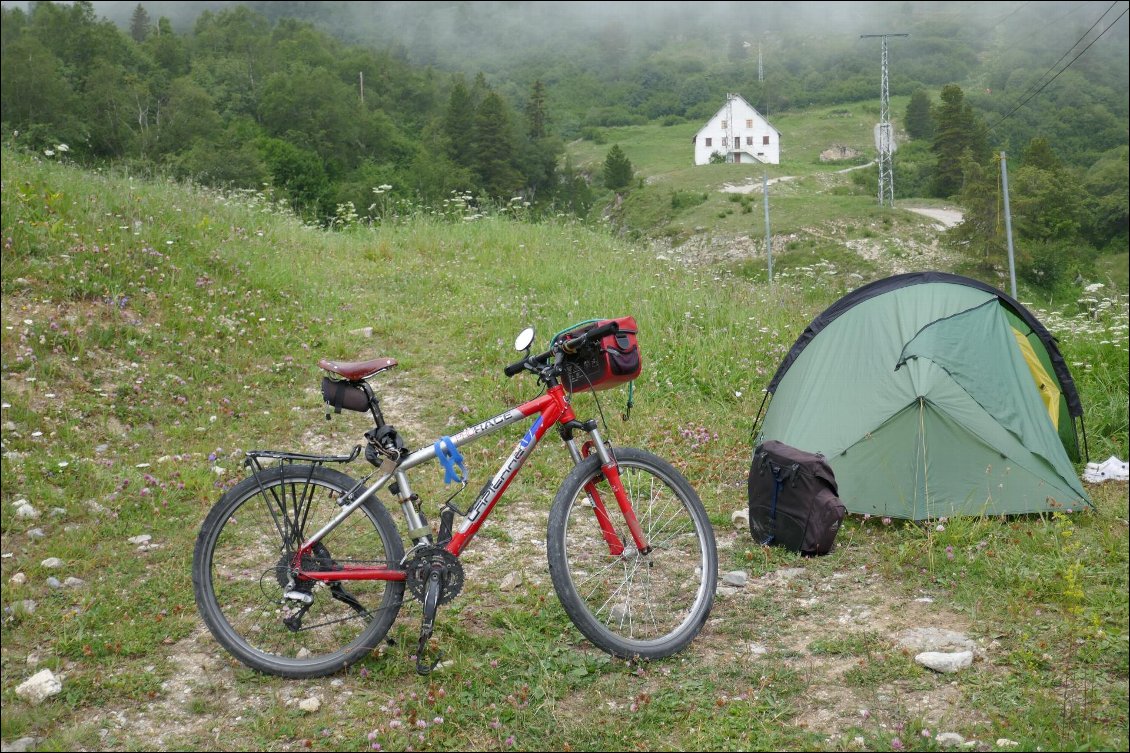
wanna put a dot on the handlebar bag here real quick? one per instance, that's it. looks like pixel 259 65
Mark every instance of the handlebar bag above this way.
pixel 605 363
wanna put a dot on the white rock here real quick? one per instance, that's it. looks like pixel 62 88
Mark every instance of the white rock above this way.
pixel 949 739
pixel 73 582
pixel 25 510
pixel 18 579
pixel 947 663
pixel 310 705
pixel 1004 742
pixel 52 562
pixel 39 687
pixel 511 581
pixel 144 538
pixel 740 518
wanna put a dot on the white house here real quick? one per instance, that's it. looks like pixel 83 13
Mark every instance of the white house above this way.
pixel 739 134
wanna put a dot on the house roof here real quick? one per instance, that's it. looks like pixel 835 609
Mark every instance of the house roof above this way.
pixel 741 99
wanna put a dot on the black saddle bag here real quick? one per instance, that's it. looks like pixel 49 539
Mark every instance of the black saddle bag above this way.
pixel 793 499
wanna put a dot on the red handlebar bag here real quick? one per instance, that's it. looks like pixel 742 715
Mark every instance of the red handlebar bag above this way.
pixel 605 363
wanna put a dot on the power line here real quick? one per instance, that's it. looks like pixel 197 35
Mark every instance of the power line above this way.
pixel 1030 97
pixel 1035 83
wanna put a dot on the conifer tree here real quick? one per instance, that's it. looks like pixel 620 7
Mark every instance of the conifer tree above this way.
pixel 617 169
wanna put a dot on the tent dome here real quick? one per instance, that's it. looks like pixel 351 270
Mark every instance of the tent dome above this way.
pixel 932 395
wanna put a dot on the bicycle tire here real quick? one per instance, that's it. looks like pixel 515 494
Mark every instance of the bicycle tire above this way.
pixel 240 570
pixel 634 605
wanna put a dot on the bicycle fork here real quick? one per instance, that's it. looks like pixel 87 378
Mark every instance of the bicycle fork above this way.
pixel 612 473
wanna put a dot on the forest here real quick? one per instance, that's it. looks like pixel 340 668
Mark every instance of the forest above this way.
pixel 337 107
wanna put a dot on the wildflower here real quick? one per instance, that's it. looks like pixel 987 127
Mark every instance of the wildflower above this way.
pixel 949 552
pixel 510 741
pixel 896 744
pixel 940 528
pixel 886 521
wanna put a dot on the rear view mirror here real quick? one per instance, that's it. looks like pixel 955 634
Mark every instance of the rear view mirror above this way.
pixel 524 339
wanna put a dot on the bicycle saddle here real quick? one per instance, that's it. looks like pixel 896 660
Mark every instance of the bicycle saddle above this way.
pixel 355 371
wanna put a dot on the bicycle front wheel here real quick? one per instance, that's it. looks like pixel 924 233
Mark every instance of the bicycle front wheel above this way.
pixel 242 573
pixel 629 603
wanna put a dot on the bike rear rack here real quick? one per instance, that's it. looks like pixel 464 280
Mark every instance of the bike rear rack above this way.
pixel 285 458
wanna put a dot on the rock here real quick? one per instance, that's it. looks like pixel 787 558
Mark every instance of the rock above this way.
pixel 511 581
pixel 39 687
pixel 310 705
pixel 18 579
pixel 949 740
pixel 25 510
pixel 1004 742
pixel 73 582
pixel 53 582
pixel 735 578
pixel 52 562
pixel 947 663
pixel 22 745
pixel 740 518
pixel 934 639
pixel 786 573
pixel 362 332
pixel 36 533
pixel 838 152
pixel 141 539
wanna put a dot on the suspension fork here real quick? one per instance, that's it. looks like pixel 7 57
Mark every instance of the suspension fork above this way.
pixel 611 472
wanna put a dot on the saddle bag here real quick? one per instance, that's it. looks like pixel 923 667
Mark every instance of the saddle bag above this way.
pixel 793 499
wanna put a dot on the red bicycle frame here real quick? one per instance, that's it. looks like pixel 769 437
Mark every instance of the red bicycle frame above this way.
pixel 551 409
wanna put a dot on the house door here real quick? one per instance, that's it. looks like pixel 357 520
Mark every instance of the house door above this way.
pixel 737 156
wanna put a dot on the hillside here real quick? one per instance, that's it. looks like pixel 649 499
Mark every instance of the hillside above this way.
pixel 153 332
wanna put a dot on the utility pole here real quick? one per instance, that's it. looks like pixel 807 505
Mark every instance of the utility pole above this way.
pixel 1008 226
pixel 884 137
pixel 760 67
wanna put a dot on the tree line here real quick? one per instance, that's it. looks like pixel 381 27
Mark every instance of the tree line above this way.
pixel 240 101
pixel 1063 216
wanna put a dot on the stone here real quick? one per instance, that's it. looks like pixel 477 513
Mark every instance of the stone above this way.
pixel 949 740
pixel 52 562
pixel 735 578
pixel 946 663
pixel 310 705
pixel 740 518
pixel 39 687
pixel 511 581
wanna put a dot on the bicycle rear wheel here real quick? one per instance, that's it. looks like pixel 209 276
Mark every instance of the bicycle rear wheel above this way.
pixel 242 563
pixel 628 603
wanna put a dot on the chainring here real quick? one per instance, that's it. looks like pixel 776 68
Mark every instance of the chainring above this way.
pixel 420 565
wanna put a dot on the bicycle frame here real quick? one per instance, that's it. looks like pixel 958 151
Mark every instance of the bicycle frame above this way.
pixel 552 408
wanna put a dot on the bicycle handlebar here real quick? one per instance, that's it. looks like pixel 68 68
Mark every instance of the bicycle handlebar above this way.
pixel 563 346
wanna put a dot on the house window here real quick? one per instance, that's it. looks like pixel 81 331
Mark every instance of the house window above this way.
pixel 749 140
pixel 708 141
pixel 764 139
pixel 723 125
pixel 749 123
pixel 725 141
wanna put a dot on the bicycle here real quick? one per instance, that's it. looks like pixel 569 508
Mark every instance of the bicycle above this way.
pixel 300 571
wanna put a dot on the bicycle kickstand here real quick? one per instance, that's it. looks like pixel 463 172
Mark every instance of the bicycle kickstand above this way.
pixel 431 604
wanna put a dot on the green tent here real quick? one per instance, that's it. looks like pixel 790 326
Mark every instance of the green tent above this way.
pixel 932 395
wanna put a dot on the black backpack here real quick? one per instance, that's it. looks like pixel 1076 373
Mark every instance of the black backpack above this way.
pixel 792 499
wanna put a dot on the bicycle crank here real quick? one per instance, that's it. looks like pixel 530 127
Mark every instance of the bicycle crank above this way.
pixel 434 576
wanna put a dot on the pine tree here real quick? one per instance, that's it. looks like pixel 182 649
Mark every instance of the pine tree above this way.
pixel 492 149
pixel 919 123
pixel 617 169
pixel 536 112
pixel 958 135
pixel 458 122
pixel 139 24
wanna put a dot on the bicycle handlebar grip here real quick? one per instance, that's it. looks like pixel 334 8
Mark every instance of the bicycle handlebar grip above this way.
pixel 515 368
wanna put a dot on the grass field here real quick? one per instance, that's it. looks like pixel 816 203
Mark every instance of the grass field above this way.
pixel 154 332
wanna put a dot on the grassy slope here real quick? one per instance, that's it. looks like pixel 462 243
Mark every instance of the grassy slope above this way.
pixel 148 326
